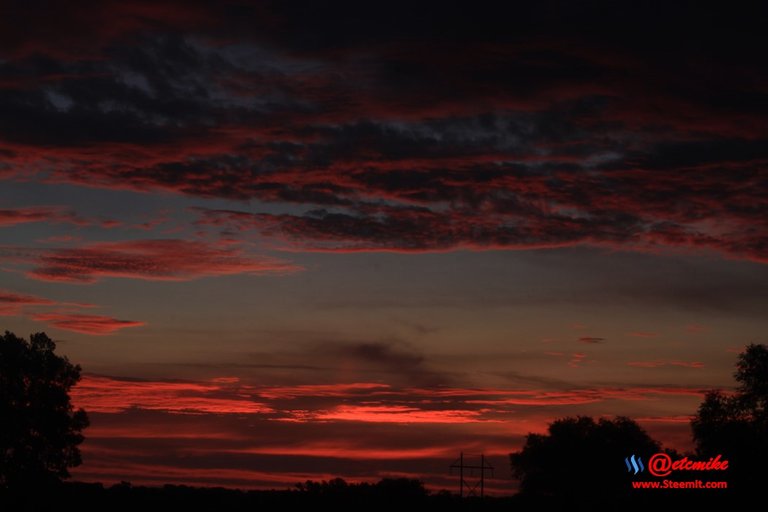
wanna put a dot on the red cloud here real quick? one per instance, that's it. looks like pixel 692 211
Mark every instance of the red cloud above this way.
pixel 695 328
pixel 680 418
pixel 7 297
pixel 577 358
pixel 103 394
pixel 369 402
pixel 324 390
pixel 395 414
pixel 340 423
pixel 352 451
pixel 12 303
pixel 170 260
pixel 85 324
pixel 11 217
pixel 582 396
pixel 106 470
pixel 658 364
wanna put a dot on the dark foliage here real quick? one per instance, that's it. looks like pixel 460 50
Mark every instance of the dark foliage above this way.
pixel 580 458
pixel 736 425
pixel 40 430
pixel 386 490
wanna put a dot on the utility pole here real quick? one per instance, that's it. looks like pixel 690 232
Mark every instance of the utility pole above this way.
pixel 472 485
pixel 482 475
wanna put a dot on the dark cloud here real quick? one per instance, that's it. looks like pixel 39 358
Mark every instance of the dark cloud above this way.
pixel 381 353
pixel 394 360
pixel 504 128
pixel 590 339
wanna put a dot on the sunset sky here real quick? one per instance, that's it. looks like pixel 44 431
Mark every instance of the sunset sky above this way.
pixel 289 241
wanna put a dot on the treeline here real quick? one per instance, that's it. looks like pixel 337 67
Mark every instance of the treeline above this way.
pixel 336 494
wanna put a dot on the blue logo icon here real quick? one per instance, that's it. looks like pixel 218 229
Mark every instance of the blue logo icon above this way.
pixel 635 463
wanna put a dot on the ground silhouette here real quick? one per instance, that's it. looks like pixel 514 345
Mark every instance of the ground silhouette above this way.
pixel 336 494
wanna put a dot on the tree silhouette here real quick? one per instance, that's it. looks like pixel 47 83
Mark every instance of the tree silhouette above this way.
pixel 578 455
pixel 736 425
pixel 39 430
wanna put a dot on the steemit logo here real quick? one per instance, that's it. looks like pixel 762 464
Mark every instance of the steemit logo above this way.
pixel 635 463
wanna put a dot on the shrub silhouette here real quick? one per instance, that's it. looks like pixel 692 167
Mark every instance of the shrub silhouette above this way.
pixel 39 431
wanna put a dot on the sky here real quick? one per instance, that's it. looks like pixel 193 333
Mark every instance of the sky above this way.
pixel 301 240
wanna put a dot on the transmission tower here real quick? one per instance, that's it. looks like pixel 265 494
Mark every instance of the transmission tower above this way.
pixel 471 476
